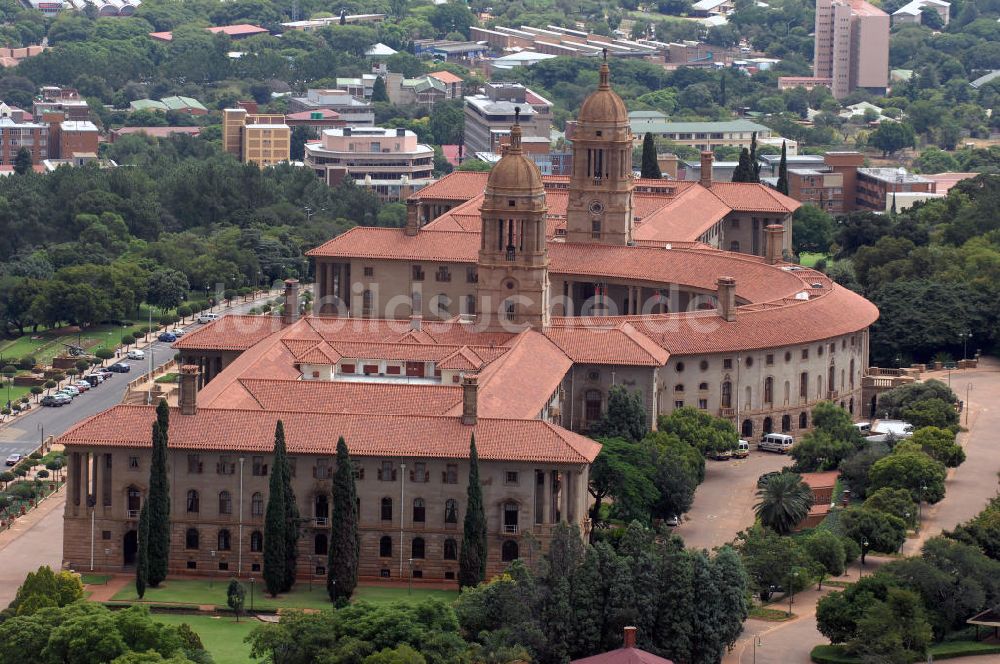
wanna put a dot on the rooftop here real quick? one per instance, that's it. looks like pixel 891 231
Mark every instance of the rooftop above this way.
pixel 892 175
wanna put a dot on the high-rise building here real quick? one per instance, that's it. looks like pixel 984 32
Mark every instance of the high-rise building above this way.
pixel 488 116
pixel 852 46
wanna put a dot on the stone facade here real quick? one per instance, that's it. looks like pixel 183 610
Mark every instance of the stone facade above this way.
pixel 218 529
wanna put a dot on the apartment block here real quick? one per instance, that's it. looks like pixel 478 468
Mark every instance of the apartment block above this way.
pixel 354 112
pixel 852 46
pixel 390 162
pixel 262 139
pixel 489 115
pixel 69 139
pixel 17 132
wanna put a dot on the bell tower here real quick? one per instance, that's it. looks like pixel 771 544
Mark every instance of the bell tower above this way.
pixel 600 196
pixel 513 287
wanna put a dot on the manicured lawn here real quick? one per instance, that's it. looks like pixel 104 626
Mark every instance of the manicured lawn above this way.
pixel 765 613
pixel 46 344
pixel 94 579
pixel 221 636
pixel 204 593
pixel 809 259
pixel 831 654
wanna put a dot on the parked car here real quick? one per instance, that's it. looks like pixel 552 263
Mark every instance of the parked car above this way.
pixel 722 455
pixel 103 372
pixel 742 450
pixel 82 385
pixel 14 459
pixel 179 332
pixel 136 354
pixel 93 379
pixel 673 521
pixel 167 336
pixel 51 400
pixel 120 367
pixel 71 390
pixel 776 442
pixel 208 317
pixel 63 398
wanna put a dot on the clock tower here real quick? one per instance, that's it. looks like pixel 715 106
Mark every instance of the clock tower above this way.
pixel 600 189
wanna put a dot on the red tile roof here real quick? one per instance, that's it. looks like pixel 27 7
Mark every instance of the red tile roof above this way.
pixel 445 77
pixel 753 197
pixel 620 345
pixel 230 333
pixel 394 244
pixel 458 185
pixel 321 396
pixel 623 656
pixel 238 30
pixel 367 435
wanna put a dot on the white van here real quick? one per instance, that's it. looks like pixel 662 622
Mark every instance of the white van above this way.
pixel 208 317
pixel 742 450
pixel 864 428
pixel 776 442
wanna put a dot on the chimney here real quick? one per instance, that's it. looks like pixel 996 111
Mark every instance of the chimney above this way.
pixel 470 396
pixel 727 298
pixel 668 163
pixel 775 243
pixel 412 218
pixel 291 302
pixel 416 322
pixel 705 178
pixel 188 398
pixel 629 641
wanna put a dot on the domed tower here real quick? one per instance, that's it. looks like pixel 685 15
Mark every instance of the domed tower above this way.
pixel 600 199
pixel 513 287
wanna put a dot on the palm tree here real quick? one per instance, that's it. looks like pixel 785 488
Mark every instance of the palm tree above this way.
pixel 784 501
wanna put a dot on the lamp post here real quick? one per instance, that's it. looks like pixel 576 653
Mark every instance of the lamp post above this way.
pixel 409 581
pixel 252 582
pixel 864 549
pixel 920 504
pixel 756 642
pixel 239 544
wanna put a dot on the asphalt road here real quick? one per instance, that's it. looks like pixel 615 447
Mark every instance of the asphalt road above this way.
pixel 26 433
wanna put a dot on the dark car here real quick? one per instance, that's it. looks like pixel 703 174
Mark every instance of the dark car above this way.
pixel 167 336
pixel 51 401
pixel 120 367
pixel 93 380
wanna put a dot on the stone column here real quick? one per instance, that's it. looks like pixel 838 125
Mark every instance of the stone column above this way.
pixel 85 477
pixel 546 490
pixel 74 480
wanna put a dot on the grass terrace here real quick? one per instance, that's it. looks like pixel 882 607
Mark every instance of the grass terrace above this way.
pixel 221 636
pixel 198 592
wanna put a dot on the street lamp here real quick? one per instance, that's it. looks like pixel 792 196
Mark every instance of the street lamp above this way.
pixel 791 591
pixel 965 343
pixel 252 582
pixel 409 581
pixel 864 549
pixel 756 642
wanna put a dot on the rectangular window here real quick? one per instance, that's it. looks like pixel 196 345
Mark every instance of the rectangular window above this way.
pixel 510 477
pixel 450 474
pixel 226 465
pixel 703 404
pixel 443 274
pixel 769 360
pixel 259 467
pixel 727 363
pixel 419 472
pixel 369 272
pixel 805 353
pixel 292 463
pixel 418 273
pixel 386 472
pixel 678 404
pixel 322 470
pixel 471 275
pixel 133 463
pixel 347 368
pixel 194 463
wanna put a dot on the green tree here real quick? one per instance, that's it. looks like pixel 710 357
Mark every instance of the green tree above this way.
pixel 783 502
pixel 472 559
pixel 159 500
pixel 895 630
pixel 625 416
pixel 142 553
pixel 744 169
pixel 650 166
pixel 620 472
pixel 56 588
pixel 940 445
pixel 770 560
pixel 379 91
pixel 678 469
pixel 892 137
pixel 167 288
pixel 451 17
pixel 345 542
pixel 706 433
pixel 896 502
pixel 914 471
pixel 818 450
pixel 827 551
pixel 235 596
pixel 22 161
pixel 930 413
pixel 782 184
pixel 275 533
pixel 882 532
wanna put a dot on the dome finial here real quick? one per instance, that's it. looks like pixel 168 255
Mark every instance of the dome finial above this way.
pixel 605 83
pixel 515 133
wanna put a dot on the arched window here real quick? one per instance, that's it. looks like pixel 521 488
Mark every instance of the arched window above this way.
pixel 819 386
pixel 418 510
pixel 769 390
pixel 224 540
pixel 727 394
pixel 788 392
pixel 450 511
pixel 679 387
pixel 257 504
pixel 803 420
pixel 804 385
pixel 320 544
pixel 256 541
pixel 450 549
pixel 387 509
pixel 192 501
pixel 191 538
pixel 225 502
pixel 702 387
pixel 417 548
pixel 385 547
pixel 852 374
pixel 850 407
pixel 786 423
pixel 768 426
pixel 508 551
pixel 747 429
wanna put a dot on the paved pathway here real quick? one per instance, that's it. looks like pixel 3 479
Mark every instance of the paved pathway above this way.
pixel 34 540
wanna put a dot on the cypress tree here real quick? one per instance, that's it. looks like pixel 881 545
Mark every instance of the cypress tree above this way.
pixel 345 544
pixel 754 170
pixel 291 506
pixel 274 525
pixel 650 167
pixel 142 554
pixel 158 500
pixel 782 184
pixel 472 559
pixel 742 171
pixel 379 91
